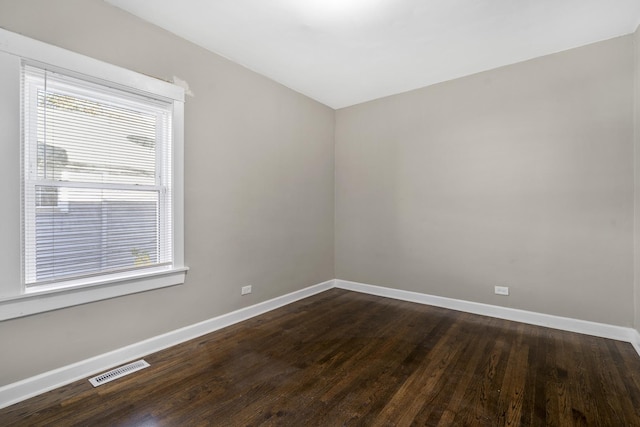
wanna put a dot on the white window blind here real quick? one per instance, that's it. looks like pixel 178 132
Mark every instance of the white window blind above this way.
pixel 96 179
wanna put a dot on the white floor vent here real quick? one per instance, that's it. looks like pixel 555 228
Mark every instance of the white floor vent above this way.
pixel 120 372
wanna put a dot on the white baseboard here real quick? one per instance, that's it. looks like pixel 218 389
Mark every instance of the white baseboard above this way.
pixel 635 340
pixel 603 330
pixel 30 387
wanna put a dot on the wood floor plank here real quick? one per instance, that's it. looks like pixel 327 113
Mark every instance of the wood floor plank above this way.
pixel 487 393
pixel 456 406
pixel 472 409
pixel 514 382
pixel 531 400
pixel 585 413
pixel 342 358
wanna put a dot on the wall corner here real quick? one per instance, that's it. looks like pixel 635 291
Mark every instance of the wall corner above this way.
pixel 636 169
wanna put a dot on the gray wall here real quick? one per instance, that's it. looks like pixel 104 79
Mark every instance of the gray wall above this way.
pixel 258 184
pixel 520 176
pixel 636 39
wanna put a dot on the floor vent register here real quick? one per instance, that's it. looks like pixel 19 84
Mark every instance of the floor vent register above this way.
pixel 120 372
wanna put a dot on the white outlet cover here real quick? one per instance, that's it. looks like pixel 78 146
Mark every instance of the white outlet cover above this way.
pixel 501 290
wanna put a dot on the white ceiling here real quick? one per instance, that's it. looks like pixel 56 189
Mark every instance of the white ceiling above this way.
pixel 344 52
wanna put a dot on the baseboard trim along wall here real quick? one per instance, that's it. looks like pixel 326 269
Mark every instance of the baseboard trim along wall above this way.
pixel 635 341
pixel 602 330
pixel 30 387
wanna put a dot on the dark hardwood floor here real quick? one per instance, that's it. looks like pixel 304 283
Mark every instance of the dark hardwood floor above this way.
pixel 344 358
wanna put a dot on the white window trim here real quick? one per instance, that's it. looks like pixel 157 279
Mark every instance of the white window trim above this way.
pixel 41 301
pixel 25 303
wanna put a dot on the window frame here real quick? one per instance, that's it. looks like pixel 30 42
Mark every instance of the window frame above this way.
pixel 37 79
pixel 15 299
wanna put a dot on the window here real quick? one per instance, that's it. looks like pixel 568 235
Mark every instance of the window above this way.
pixel 96 180
pixel 101 180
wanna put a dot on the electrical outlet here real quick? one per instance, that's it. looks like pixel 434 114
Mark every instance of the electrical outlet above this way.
pixel 246 290
pixel 501 290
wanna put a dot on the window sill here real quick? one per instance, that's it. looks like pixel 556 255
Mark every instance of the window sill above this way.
pixel 47 300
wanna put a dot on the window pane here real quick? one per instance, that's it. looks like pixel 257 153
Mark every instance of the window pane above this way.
pixel 93 231
pixel 97 187
pixel 90 140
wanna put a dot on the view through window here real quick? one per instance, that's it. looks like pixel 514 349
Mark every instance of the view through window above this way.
pixel 96 179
